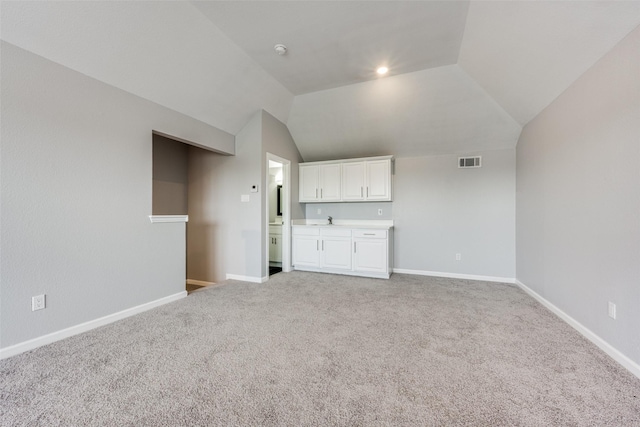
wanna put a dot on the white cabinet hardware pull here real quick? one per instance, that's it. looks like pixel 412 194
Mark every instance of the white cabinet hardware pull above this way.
pixel 369 234
pixel 317 245
pixel 360 191
pixel 354 247
pixel 321 193
pixel 316 193
pixel 367 191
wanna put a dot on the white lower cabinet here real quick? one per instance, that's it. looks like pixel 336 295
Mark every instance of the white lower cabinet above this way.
pixel 343 250
pixel 306 247
pixel 370 251
pixel 335 248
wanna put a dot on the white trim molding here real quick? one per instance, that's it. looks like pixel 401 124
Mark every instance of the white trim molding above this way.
pixel 87 326
pixel 247 278
pixel 614 353
pixel 455 275
pixel 168 218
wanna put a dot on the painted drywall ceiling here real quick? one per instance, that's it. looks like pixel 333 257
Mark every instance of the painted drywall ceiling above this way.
pixel 333 44
pixel 525 54
pixel 166 52
pixel 436 111
pixel 465 76
pixel 514 58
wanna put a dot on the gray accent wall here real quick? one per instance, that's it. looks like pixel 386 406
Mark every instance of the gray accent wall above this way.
pixel 76 183
pixel 578 199
pixel 440 210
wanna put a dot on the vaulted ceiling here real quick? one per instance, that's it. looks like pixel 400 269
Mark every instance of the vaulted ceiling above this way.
pixel 464 76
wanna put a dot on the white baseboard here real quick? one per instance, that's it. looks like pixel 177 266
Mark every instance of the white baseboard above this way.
pixel 87 326
pixel 199 282
pixel 247 278
pixel 615 354
pixel 455 275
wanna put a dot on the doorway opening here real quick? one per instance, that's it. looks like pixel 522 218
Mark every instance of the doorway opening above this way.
pixel 172 160
pixel 278 216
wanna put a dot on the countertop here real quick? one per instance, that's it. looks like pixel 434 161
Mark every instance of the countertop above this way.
pixel 370 224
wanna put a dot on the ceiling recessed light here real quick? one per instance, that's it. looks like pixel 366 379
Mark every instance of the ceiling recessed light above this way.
pixel 382 70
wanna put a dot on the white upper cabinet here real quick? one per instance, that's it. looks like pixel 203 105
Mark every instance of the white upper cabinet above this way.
pixel 353 181
pixel 378 180
pixel 330 182
pixel 320 183
pixel 309 183
pixel 356 180
pixel 366 180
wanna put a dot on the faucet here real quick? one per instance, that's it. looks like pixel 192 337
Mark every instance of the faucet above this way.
pixel 330 221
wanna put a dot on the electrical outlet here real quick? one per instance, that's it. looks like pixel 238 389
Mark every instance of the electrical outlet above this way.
pixel 379 211
pixel 458 257
pixel 37 302
pixel 319 211
pixel 612 310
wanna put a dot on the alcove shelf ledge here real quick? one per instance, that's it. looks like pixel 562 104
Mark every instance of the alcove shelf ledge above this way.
pixel 168 218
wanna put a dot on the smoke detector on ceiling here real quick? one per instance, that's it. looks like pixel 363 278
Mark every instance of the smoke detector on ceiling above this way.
pixel 280 49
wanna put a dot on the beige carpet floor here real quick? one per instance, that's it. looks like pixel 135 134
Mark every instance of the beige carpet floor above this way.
pixel 310 349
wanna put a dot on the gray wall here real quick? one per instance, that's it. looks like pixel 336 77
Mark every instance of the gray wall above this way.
pixel 359 210
pixel 578 199
pixel 225 235
pixel 170 176
pixel 440 210
pixel 76 171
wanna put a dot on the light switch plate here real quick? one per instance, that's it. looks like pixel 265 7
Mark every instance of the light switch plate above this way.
pixel 244 198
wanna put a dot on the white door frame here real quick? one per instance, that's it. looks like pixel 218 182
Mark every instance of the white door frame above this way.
pixel 286 212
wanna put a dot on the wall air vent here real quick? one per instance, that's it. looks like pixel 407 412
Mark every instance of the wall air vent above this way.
pixel 470 162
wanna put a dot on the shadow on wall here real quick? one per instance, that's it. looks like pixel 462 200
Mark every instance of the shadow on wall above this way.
pixel 170 176
pixel 200 250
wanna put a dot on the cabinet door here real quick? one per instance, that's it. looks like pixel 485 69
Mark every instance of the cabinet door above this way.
pixel 309 180
pixel 370 255
pixel 330 182
pixel 336 253
pixel 306 251
pixel 353 186
pixel 378 180
pixel 275 248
